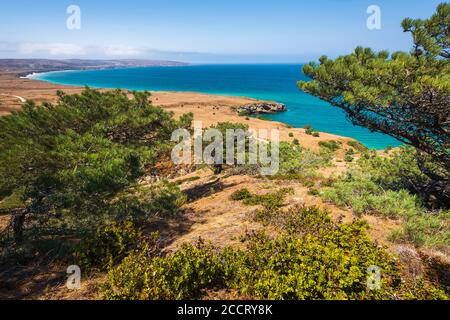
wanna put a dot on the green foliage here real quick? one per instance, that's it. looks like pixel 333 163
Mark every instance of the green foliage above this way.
pixel 349 155
pixel 332 145
pixel 364 196
pixel 291 135
pixel 309 130
pixel 13 201
pixel 239 131
pixel 313 259
pixel 425 229
pixel 190 179
pixel 297 160
pixel 404 95
pixel 108 246
pixel 269 201
pixel 400 171
pixel 431 36
pixel 244 113
pixel 357 146
pixel 77 159
pixel 241 194
pixel 182 275
pixel 381 185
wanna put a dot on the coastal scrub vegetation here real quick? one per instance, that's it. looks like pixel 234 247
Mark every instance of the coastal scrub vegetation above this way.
pixel 405 95
pixel 387 186
pixel 73 175
pixel 312 258
pixel 74 179
pixel 75 165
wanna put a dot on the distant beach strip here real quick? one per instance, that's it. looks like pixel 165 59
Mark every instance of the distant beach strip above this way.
pixel 275 82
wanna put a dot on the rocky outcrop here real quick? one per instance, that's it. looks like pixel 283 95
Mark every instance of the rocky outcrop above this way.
pixel 261 107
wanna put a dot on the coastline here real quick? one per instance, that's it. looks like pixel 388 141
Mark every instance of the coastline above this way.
pixel 208 108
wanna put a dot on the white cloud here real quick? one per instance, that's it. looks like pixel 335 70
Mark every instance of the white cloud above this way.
pixel 54 49
pixel 73 50
pixel 120 51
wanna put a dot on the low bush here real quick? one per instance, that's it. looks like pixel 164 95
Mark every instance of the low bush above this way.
pixel 332 145
pixel 365 196
pixel 269 201
pixel 349 155
pixel 313 258
pixel 308 129
pixel 425 229
pixel 182 275
pixel 108 245
pixel 361 148
pixel 241 194
pixel 297 160
pixel 388 186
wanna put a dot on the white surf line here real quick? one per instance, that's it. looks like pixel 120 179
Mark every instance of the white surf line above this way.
pixel 17 97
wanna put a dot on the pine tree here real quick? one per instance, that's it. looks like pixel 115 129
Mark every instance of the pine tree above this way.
pixel 404 95
pixel 77 155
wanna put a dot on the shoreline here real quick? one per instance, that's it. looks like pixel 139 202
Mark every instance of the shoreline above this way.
pixel 206 107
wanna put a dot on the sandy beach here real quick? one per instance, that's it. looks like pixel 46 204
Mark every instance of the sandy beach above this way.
pixel 208 108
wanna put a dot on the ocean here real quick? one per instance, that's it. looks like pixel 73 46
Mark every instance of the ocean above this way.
pixel 275 82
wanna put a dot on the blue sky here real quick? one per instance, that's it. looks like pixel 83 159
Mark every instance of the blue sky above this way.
pixel 212 31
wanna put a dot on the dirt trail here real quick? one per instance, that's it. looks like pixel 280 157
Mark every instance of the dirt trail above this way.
pixel 17 97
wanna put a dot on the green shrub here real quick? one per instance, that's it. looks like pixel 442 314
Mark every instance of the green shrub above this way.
pixel 385 185
pixel 241 194
pixel 397 171
pixel 269 201
pixel 300 221
pixel 308 129
pixel 313 259
pixel 425 229
pixel 291 134
pixel 296 160
pixel 316 134
pixel 332 145
pixel 108 245
pixel 309 183
pixel 358 146
pixel 349 155
pixel 296 142
pixel 365 196
pixel 181 275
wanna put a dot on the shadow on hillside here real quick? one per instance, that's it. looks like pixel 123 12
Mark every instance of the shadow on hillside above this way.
pixel 206 189
pixel 30 280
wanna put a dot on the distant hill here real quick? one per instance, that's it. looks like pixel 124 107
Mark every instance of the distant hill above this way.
pixel 42 65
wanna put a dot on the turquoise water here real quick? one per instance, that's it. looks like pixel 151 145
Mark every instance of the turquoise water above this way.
pixel 270 82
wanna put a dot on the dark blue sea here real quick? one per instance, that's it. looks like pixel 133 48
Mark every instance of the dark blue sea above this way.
pixel 275 82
